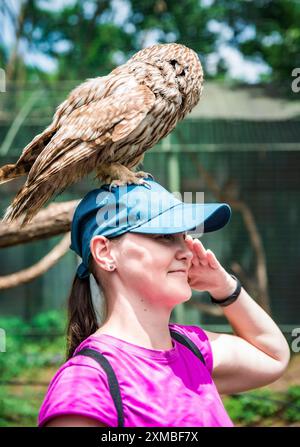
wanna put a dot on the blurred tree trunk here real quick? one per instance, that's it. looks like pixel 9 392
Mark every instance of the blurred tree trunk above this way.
pixel 11 67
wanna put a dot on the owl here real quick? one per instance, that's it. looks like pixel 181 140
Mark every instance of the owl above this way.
pixel 105 126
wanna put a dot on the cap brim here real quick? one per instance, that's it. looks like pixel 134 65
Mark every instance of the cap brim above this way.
pixel 202 218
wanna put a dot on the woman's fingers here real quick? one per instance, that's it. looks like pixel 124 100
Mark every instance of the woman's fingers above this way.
pixel 190 243
pixel 201 252
pixel 213 262
pixel 198 250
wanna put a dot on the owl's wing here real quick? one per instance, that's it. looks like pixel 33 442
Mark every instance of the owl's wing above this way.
pixel 70 154
pixel 93 89
pixel 87 92
pixel 108 120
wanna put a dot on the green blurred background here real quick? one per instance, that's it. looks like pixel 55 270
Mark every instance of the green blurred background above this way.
pixel 240 145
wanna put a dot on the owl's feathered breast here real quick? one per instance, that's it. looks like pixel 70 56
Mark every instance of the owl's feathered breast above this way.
pixel 160 120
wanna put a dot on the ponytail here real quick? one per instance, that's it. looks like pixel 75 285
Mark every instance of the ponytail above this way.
pixel 82 321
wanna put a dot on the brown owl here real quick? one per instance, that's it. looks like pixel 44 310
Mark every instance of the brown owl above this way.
pixel 106 124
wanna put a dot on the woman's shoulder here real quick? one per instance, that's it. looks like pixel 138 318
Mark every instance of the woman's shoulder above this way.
pixel 78 370
pixel 197 335
pixel 77 388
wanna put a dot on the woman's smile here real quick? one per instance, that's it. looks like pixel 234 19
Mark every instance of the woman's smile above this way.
pixel 178 273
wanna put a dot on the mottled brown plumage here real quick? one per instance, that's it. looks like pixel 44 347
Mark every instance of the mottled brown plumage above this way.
pixel 106 124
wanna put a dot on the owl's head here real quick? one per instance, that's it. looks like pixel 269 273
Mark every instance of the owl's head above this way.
pixel 179 64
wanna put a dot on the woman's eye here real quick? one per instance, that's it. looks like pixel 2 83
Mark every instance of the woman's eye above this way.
pixel 166 236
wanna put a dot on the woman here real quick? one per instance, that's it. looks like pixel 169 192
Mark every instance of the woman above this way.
pixel 136 368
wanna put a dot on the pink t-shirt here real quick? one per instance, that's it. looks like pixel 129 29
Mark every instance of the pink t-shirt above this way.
pixel 170 388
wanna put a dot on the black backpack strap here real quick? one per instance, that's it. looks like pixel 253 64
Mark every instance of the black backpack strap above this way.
pixel 183 339
pixel 112 380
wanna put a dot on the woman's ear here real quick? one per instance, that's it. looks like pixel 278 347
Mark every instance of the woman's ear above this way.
pixel 99 249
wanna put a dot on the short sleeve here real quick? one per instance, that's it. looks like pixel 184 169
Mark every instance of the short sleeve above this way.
pixel 79 388
pixel 205 346
pixel 201 340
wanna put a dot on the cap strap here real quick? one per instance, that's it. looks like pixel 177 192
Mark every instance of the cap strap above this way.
pixel 82 271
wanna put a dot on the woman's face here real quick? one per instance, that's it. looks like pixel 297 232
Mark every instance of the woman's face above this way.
pixel 149 264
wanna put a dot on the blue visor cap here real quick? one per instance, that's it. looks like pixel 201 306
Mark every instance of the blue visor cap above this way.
pixel 139 209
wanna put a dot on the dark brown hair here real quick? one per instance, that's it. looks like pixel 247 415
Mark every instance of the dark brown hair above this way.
pixel 82 321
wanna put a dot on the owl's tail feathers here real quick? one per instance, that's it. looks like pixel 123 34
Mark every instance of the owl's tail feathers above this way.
pixel 51 180
pixel 9 172
pixel 27 158
pixel 28 202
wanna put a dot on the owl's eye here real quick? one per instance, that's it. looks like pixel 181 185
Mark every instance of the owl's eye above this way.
pixel 174 62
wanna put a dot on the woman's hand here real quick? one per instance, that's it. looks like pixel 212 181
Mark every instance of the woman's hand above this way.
pixel 206 273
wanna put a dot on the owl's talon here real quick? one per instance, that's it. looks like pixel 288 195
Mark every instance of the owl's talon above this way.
pixel 142 174
pixel 150 175
pixel 114 184
pixel 135 181
pixel 144 183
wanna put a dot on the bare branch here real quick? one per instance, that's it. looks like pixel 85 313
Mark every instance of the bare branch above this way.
pixel 37 269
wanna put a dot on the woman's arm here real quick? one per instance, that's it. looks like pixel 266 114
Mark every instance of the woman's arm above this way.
pixel 258 353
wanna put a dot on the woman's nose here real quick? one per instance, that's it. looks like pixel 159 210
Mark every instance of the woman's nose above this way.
pixel 185 252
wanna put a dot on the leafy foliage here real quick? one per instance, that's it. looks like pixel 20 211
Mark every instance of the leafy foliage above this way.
pixel 292 413
pixel 250 408
pixel 261 407
pixel 273 35
pixel 32 349
pixel 32 345
pixel 89 38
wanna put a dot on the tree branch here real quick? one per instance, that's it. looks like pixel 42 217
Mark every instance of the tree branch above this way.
pixel 51 221
pixel 37 269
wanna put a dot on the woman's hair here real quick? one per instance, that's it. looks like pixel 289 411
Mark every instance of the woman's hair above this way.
pixel 82 320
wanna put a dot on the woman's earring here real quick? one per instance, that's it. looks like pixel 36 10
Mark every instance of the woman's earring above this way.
pixel 111 267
